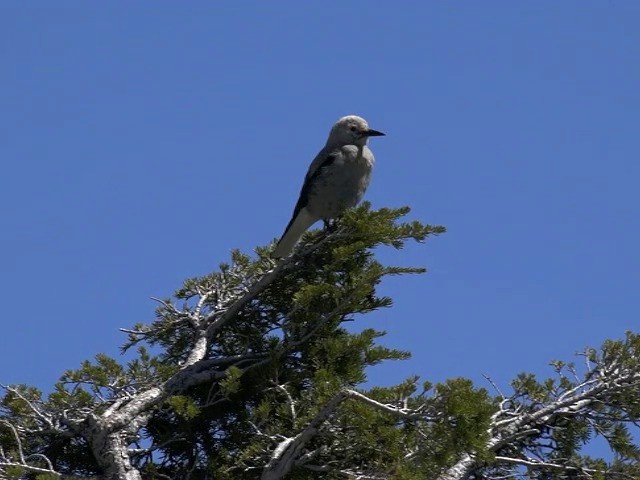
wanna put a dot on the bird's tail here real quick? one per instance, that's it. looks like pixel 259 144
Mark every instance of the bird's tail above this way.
pixel 297 226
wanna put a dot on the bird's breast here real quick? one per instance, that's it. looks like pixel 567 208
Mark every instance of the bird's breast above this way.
pixel 342 184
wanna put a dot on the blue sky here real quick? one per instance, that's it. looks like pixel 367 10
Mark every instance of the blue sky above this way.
pixel 141 142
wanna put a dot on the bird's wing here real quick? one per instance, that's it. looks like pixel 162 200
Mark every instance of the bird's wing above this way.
pixel 302 218
pixel 325 157
pixel 322 160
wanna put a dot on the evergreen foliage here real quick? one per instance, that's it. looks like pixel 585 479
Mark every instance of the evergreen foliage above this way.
pixel 250 372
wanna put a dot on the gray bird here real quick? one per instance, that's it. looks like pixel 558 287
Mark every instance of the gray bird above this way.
pixel 336 180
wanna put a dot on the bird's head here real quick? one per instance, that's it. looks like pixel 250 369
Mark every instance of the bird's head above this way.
pixel 351 130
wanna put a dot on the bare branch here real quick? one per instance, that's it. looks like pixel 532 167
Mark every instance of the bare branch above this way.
pixel 531 462
pixel 495 386
pixel 22 460
pixel 287 452
pixel 290 401
pixel 401 412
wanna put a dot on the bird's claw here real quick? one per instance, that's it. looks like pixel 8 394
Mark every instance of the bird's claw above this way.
pixel 331 225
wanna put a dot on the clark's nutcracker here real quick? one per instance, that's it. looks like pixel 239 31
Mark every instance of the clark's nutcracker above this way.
pixel 336 180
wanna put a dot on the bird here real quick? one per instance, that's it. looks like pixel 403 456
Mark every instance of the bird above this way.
pixel 336 180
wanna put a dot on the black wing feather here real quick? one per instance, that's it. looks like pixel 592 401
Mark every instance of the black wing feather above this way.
pixel 303 200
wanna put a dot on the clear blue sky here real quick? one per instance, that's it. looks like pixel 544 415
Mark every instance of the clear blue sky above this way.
pixel 141 142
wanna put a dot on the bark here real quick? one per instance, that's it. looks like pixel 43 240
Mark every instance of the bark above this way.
pixel 288 451
pixel 111 452
pixel 460 470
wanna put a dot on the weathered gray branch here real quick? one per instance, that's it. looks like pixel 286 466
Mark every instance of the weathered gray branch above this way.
pixel 6 460
pixel 518 425
pixel 289 450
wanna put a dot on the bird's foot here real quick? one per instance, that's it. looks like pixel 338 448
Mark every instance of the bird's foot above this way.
pixel 330 225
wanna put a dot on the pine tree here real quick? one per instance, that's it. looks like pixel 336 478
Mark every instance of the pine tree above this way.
pixel 250 372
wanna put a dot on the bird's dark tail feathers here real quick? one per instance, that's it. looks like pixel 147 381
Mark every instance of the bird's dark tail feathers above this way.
pixel 297 226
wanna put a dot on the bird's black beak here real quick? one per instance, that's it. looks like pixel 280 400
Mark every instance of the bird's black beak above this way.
pixel 373 133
